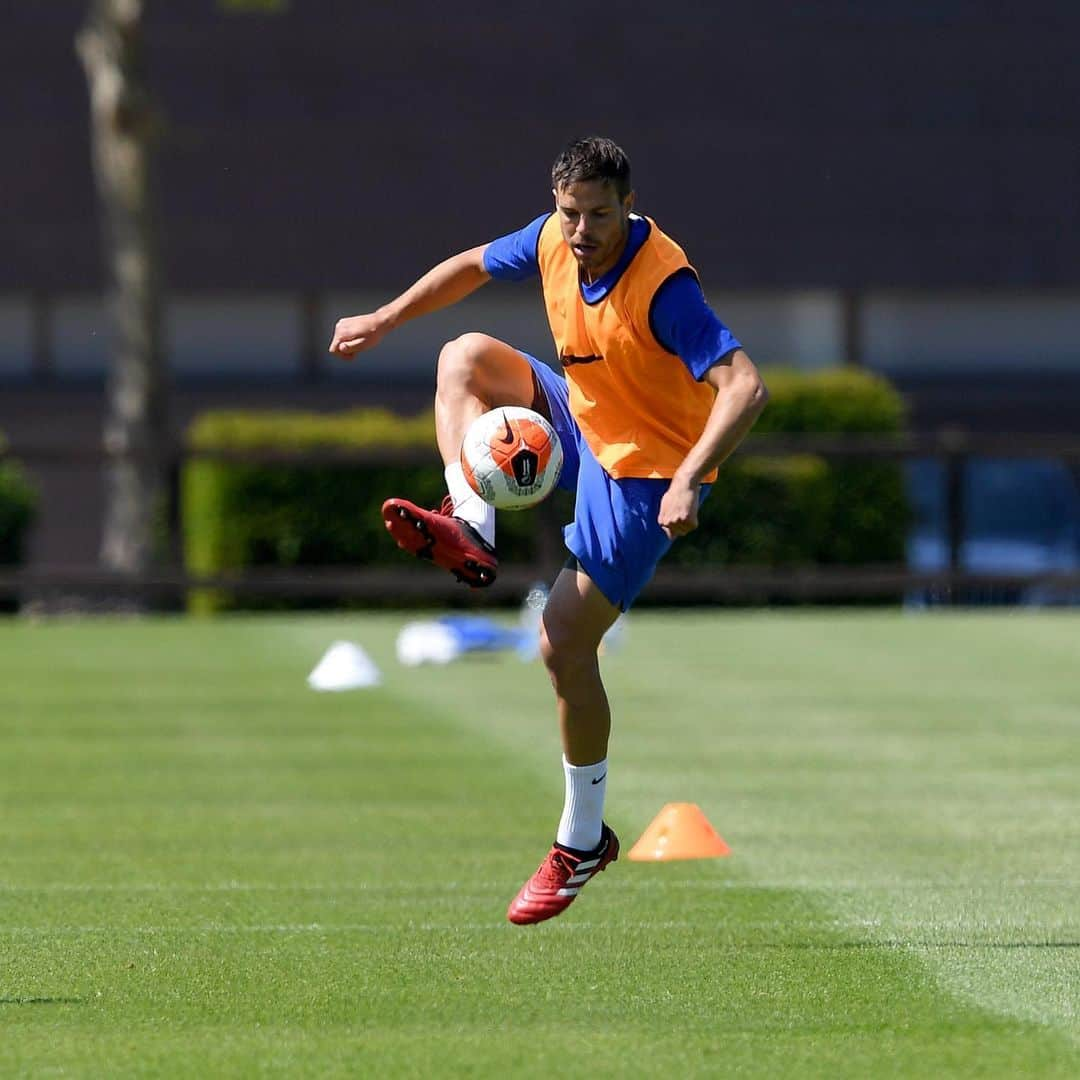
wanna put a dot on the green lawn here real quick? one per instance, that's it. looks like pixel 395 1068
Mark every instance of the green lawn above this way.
pixel 208 870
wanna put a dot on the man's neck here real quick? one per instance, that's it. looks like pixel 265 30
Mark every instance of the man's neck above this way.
pixel 591 277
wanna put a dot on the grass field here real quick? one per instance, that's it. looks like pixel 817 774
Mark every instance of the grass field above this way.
pixel 208 870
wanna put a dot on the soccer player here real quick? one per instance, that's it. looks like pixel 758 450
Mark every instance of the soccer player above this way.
pixel 655 393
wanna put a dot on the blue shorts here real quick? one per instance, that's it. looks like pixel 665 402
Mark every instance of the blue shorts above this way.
pixel 614 536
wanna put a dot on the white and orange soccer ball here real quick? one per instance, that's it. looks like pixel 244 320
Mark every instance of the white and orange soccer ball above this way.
pixel 511 457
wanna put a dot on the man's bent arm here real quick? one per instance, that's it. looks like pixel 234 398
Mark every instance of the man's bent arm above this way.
pixel 452 280
pixel 740 397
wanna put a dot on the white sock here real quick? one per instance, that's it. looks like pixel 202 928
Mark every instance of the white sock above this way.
pixel 583 812
pixel 468 505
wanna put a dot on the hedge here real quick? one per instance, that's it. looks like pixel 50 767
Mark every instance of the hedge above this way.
pixel 802 511
pixel 790 511
pixel 238 515
pixel 18 504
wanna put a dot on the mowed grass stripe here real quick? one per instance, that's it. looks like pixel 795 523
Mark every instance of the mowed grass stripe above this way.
pixel 704 644
pixel 960 759
pixel 677 1009
pixel 948 684
pixel 766 981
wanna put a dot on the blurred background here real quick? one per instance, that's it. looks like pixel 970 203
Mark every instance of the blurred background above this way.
pixel 878 193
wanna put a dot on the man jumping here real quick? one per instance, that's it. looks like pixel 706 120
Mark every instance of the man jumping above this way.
pixel 655 394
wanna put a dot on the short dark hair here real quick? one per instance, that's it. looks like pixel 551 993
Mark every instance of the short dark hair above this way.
pixel 592 158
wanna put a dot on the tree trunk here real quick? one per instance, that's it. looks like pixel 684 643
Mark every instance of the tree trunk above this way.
pixel 136 422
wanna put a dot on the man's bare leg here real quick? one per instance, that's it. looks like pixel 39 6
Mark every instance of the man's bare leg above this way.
pixel 475 374
pixel 575 620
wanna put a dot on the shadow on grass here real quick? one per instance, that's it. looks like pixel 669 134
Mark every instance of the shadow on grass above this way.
pixel 886 943
pixel 40 1001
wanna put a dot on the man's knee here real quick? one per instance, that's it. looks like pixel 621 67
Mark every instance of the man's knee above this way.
pixel 461 362
pixel 567 655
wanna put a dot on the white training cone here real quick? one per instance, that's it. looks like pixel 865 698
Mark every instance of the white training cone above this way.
pixel 427 643
pixel 344 666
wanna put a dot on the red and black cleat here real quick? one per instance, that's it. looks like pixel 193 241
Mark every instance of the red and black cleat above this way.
pixel 560 877
pixel 441 538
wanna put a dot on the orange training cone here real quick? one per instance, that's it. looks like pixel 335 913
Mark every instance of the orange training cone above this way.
pixel 679 831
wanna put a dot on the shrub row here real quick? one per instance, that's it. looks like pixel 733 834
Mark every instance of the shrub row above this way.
pixel 238 514
pixel 805 510
pixel 18 501
pixel 790 511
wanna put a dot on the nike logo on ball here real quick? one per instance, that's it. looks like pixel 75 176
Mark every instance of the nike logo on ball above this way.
pixel 509 436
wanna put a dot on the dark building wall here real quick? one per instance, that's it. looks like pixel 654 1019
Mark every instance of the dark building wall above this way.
pixel 343 143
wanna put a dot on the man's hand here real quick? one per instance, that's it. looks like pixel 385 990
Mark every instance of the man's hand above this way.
pixel 740 397
pixel 679 508
pixel 452 280
pixel 358 332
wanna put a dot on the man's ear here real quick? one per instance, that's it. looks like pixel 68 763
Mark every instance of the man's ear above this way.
pixel 628 202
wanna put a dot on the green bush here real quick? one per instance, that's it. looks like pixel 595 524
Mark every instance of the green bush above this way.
pixel 18 502
pixel 766 511
pixel 237 514
pixel 807 510
pixel 836 400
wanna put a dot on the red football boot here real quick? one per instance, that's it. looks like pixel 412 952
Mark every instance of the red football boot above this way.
pixel 561 876
pixel 443 539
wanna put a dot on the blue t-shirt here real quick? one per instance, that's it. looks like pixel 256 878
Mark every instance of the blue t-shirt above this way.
pixel 680 317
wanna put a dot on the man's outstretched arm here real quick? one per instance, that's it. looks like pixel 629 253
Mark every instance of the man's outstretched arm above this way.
pixel 443 285
pixel 740 397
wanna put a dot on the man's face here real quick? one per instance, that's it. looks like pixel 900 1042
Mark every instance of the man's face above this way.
pixel 595 223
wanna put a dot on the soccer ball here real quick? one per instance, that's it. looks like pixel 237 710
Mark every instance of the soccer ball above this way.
pixel 511 457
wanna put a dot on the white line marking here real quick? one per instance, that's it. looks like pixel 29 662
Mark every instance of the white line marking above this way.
pixel 323 928
pixel 422 888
